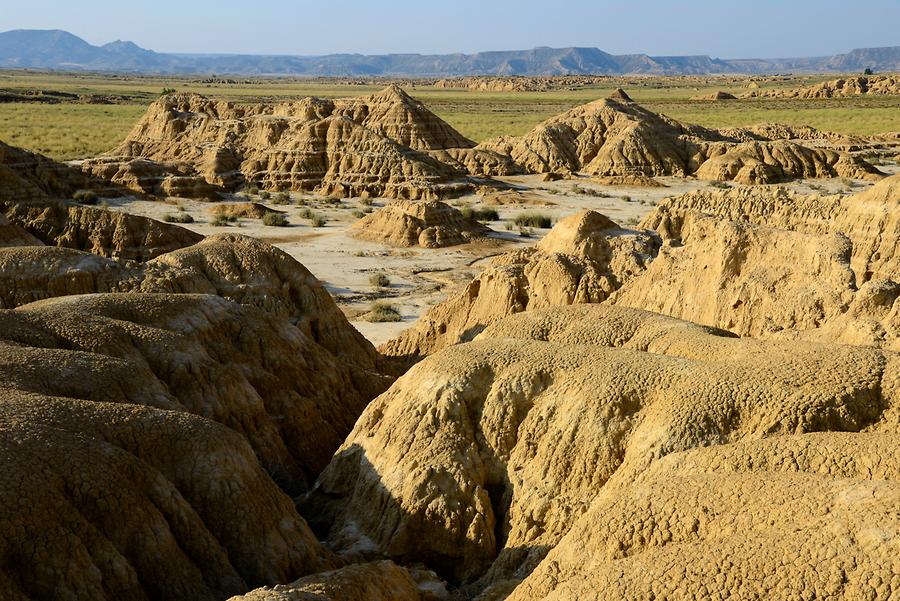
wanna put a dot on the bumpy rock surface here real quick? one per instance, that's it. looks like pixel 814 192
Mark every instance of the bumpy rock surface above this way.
pixel 583 259
pixel 372 146
pixel 425 224
pixel 377 581
pixel 810 515
pixel 872 85
pixel 774 263
pixel 616 137
pixel 110 501
pixel 482 457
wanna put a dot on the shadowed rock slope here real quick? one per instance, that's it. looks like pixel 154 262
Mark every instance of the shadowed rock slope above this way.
pixel 551 431
pixel 616 137
pixel 156 412
pixel 376 145
pixel 583 259
pixel 428 224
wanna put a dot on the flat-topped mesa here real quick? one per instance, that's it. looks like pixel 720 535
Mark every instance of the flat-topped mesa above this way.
pixel 425 224
pixel 616 137
pixel 584 259
pixel 377 145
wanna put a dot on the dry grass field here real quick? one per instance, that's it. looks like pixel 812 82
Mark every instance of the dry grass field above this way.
pixel 72 130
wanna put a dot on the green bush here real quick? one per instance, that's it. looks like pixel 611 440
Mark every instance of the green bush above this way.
pixel 265 194
pixel 178 218
pixel 282 198
pixel 379 280
pixel 533 220
pixel 318 220
pixel 85 197
pixel 221 220
pixel 252 190
pixel 720 185
pixel 358 214
pixel 275 219
pixel 382 312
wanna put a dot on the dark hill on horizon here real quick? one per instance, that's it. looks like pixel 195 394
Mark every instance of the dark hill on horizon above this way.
pixel 61 50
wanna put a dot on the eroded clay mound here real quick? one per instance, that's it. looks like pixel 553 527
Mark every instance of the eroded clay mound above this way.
pixel 583 259
pixel 106 233
pixel 376 581
pixel 775 518
pixel 111 501
pixel 715 96
pixel 482 457
pixel 871 85
pixel 372 146
pixel 425 224
pixel 615 137
pixel 27 176
pixel 775 263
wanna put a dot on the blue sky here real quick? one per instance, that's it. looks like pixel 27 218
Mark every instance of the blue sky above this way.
pixel 725 29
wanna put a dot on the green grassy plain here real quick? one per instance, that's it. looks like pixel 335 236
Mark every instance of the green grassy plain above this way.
pixel 78 130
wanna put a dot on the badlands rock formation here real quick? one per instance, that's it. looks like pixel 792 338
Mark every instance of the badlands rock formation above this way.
pixel 871 85
pixel 766 262
pixel 376 145
pixel 715 96
pixel 156 411
pixel 487 455
pixel 616 137
pixel 425 224
pixel 583 259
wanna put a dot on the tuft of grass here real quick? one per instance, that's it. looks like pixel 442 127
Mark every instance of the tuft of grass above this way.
pixel 381 312
pixel 275 219
pixel 379 280
pixel 538 220
pixel 589 192
pixel 85 197
pixel 178 218
pixel 480 213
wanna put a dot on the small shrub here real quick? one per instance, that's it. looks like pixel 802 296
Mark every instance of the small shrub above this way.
pixel 525 232
pixel 306 214
pixel 359 253
pixel 282 198
pixel 178 218
pixel 482 214
pixel 382 312
pixel 220 221
pixel 253 190
pixel 358 214
pixel 85 197
pixel 533 220
pixel 589 192
pixel 626 198
pixel 632 221
pixel 274 219
pixel 366 202
pixel 318 220
pixel 379 280
pixel 265 194
pixel 719 185
pixel 167 91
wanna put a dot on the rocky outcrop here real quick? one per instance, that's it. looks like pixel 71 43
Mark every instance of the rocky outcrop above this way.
pixel 111 501
pixel 769 162
pixel 13 235
pixel 772 518
pixel 769 262
pixel 376 581
pixel 429 225
pixel 870 85
pixel 103 232
pixel 583 259
pixel 481 458
pixel 27 176
pixel 715 96
pixel 377 145
pixel 615 137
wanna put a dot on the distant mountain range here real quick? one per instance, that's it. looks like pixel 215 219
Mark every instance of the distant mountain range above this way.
pixel 60 50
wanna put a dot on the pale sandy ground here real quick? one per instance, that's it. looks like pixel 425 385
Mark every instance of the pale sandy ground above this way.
pixel 421 278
